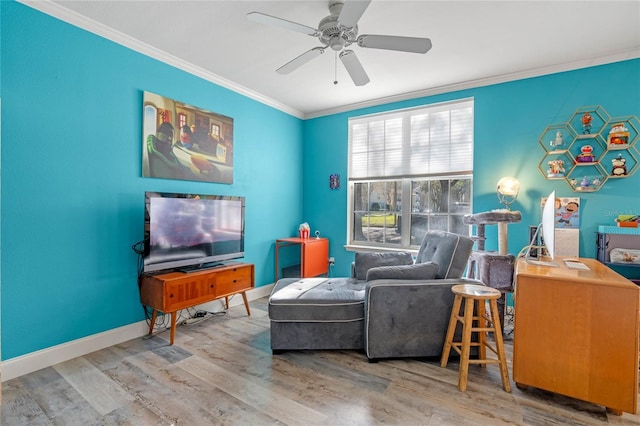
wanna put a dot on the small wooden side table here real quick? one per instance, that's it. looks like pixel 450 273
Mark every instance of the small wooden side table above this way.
pixel 314 255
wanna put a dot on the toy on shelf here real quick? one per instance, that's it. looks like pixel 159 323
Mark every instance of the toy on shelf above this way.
pixel 618 135
pixel 586 123
pixel 619 166
pixel 586 184
pixel 586 155
pixel 558 141
pixel 556 169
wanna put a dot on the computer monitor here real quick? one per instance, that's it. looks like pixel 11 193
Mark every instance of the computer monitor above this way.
pixel 546 230
pixel 549 224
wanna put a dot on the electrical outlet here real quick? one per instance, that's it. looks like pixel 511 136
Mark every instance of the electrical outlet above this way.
pixel 332 261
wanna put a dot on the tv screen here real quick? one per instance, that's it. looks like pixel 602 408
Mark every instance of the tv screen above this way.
pixel 191 231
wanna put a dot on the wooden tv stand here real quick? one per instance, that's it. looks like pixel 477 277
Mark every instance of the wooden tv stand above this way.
pixel 576 333
pixel 173 291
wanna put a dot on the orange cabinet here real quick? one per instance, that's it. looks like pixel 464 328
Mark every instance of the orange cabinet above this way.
pixel 314 255
pixel 173 291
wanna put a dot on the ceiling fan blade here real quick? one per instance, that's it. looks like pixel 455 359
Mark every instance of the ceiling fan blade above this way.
pixel 300 60
pixel 289 25
pixel 403 44
pixel 352 11
pixel 354 67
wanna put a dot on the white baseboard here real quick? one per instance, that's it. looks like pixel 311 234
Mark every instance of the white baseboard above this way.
pixel 25 364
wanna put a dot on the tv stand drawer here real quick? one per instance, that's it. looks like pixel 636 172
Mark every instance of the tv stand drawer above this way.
pixel 180 294
pixel 234 280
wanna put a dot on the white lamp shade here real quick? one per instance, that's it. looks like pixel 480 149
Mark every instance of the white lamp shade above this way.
pixel 508 186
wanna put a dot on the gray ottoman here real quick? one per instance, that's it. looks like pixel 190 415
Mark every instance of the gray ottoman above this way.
pixel 317 313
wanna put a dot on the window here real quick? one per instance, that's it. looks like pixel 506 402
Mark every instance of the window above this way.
pixel 182 119
pixel 410 171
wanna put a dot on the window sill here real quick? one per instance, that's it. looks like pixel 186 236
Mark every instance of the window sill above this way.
pixel 377 249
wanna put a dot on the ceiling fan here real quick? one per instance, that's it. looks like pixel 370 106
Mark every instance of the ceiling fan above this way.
pixel 338 31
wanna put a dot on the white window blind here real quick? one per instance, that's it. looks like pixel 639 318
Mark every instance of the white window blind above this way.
pixel 425 141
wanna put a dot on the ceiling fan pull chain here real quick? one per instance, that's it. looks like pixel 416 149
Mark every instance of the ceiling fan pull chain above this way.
pixel 335 68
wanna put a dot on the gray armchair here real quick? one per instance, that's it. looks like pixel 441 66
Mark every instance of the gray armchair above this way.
pixel 407 308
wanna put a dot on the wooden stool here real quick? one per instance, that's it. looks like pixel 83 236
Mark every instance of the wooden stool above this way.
pixel 475 297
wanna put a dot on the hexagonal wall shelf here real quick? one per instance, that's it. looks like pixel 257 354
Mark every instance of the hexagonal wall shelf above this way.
pixel 590 148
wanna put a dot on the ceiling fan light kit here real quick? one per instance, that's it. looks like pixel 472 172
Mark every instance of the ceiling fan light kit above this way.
pixel 338 31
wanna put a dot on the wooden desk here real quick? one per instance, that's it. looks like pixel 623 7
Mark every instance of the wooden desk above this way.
pixel 576 333
pixel 314 255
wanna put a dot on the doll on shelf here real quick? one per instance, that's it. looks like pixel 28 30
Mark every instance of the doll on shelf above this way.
pixel 558 141
pixel 556 168
pixel 586 155
pixel 619 166
pixel 586 123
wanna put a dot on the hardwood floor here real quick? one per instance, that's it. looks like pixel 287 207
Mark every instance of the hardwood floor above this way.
pixel 221 372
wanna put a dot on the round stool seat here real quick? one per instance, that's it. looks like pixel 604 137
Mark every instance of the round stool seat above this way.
pixel 476 291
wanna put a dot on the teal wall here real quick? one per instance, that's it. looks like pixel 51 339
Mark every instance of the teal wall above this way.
pixel 509 119
pixel 72 191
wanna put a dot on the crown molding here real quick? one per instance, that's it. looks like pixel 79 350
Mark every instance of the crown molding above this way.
pixel 66 15
pixel 472 84
pixel 56 10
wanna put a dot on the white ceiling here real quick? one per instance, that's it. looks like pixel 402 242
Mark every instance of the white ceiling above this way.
pixel 474 43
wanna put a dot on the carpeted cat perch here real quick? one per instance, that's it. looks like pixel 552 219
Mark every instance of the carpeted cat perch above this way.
pixel 494 269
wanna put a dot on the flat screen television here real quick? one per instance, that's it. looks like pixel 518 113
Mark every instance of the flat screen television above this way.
pixel 191 231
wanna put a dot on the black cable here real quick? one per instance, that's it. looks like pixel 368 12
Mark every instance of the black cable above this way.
pixel 138 248
pixel 218 314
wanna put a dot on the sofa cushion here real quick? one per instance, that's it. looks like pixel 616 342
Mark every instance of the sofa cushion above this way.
pixel 450 251
pixel 419 271
pixel 366 261
pixel 317 300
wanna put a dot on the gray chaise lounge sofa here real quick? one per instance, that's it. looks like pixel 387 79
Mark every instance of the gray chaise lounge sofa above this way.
pixel 391 307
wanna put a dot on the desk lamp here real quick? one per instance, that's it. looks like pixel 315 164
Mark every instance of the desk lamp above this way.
pixel 508 188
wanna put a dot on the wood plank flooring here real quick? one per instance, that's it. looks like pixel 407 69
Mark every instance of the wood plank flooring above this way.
pixel 221 372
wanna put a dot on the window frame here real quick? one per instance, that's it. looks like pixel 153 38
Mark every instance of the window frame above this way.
pixel 405 180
